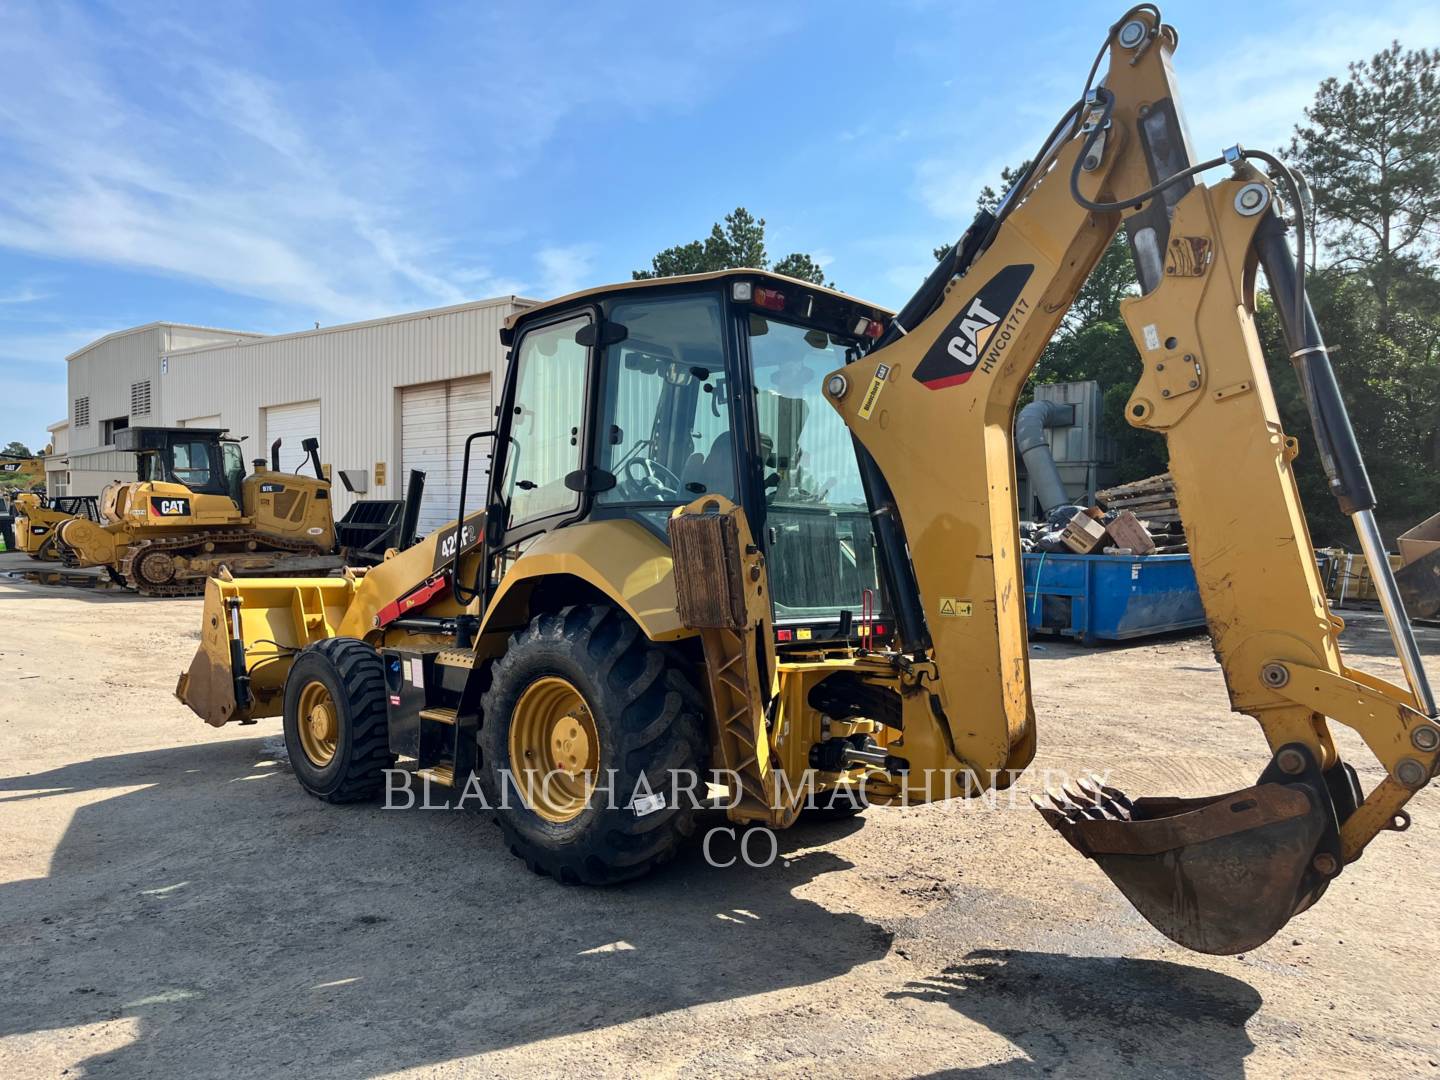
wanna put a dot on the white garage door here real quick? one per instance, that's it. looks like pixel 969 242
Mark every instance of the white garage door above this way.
pixel 202 422
pixel 292 425
pixel 435 421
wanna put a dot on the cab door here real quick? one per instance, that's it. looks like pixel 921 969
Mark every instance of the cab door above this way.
pixel 541 434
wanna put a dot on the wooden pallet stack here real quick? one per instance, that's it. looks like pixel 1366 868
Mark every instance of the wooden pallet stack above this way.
pixel 1151 499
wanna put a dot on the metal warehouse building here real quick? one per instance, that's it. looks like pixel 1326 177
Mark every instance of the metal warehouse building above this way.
pixel 382 396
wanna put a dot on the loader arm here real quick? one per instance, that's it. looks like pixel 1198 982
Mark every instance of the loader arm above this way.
pixel 933 409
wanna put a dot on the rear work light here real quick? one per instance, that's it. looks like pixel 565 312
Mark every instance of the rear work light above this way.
pixel 871 328
pixel 769 299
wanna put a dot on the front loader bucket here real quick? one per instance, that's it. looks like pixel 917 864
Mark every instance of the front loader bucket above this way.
pixel 1221 874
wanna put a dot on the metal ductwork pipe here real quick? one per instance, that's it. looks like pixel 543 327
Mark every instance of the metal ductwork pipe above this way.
pixel 1040 464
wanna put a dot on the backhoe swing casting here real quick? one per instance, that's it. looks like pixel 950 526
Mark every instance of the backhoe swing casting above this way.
pixel 696 481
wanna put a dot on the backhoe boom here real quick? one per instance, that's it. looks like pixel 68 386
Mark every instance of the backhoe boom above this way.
pixel 1222 874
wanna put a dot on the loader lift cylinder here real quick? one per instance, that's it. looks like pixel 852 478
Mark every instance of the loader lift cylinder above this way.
pixel 1339 451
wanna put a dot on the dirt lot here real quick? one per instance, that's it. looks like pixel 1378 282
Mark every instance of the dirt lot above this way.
pixel 171 903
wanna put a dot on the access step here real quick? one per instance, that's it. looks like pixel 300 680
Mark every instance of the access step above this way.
pixel 443 775
pixel 440 714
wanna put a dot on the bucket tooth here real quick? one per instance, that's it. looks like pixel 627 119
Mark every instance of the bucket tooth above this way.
pixel 1113 801
pixel 1219 874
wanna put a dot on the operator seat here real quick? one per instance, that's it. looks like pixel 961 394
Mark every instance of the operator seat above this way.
pixel 717 468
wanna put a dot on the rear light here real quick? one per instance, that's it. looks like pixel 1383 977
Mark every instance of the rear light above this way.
pixel 784 635
pixel 769 299
pixel 880 629
pixel 871 328
pixel 740 291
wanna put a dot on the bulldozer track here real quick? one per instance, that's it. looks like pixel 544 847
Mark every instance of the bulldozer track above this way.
pixel 177 545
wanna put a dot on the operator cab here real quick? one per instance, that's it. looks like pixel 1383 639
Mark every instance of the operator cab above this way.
pixel 201 459
pixel 630 400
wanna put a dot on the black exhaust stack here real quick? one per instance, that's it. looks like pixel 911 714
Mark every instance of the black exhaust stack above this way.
pixel 414 490
pixel 275 456
pixel 311 447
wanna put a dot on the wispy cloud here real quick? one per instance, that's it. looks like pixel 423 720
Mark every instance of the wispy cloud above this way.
pixel 1253 91
pixel 565 269
pixel 338 197
pixel 23 295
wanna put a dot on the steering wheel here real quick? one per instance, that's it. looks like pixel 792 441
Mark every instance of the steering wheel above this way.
pixel 648 479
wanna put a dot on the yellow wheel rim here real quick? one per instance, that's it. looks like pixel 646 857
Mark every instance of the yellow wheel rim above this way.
pixel 319 724
pixel 554 748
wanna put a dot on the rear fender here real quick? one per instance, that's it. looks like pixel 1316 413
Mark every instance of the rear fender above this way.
pixel 623 560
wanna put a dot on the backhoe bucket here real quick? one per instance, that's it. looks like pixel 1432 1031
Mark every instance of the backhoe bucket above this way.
pixel 1221 874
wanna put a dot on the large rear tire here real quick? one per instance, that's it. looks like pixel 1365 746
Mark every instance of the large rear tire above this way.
pixel 579 692
pixel 336 730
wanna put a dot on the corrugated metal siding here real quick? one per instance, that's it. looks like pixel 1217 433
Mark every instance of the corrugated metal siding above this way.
pixel 106 461
pixel 106 372
pixel 292 425
pixel 435 421
pixel 356 373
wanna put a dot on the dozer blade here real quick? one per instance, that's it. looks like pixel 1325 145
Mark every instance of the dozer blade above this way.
pixel 1221 874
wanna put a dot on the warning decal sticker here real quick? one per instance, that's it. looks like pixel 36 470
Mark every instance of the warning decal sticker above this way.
pixel 872 394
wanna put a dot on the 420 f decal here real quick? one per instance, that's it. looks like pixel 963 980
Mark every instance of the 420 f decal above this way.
pixel 983 330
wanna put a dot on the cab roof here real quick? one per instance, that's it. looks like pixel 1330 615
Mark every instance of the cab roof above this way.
pixel 137 439
pixel 763 277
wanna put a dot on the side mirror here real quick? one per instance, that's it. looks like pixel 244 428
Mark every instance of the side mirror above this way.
pixel 495 517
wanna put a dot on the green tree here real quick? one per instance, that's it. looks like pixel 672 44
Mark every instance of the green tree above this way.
pixel 1371 149
pixel 15 448
pixel 739 242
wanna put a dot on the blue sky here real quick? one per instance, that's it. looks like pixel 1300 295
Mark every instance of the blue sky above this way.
pixel 265 166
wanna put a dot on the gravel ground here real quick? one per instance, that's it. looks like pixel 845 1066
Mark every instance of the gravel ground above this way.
pixel 171 903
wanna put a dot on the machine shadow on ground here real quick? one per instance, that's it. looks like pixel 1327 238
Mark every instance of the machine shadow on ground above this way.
pixel 37 581
pixel 250 928
pixel 1098 1016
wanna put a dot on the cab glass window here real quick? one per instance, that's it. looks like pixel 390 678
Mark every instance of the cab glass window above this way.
pixel 545 422
pixel 822 548
pixel 190 462
pixel 234 461
pixel 663 430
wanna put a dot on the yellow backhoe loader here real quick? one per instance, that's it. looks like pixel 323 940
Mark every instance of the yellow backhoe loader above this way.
pixel 25 469
pixel 744 525
pixel 24 476
pixel 192 511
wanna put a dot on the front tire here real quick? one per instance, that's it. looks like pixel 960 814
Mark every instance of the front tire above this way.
pixel 584 691
pixel 336 730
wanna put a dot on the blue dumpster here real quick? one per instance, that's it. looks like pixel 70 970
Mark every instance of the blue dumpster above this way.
pixel 1110 597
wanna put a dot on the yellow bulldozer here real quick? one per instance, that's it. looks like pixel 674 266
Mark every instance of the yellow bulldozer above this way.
pixel 192 512
pixel 741 527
